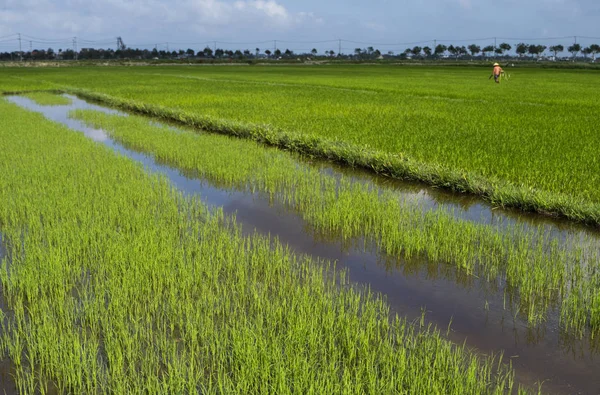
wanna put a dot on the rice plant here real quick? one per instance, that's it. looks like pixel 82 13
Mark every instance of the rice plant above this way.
pixel 115 282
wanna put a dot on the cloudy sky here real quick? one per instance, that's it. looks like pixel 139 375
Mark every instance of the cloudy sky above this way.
pixel 298 25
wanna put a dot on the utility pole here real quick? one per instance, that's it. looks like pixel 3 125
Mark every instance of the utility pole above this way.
pixel 434 43
pixel 575 38
pixel 20 51
pixel 340 47
pixel 75 47
pixel 215 48
pixel 274 47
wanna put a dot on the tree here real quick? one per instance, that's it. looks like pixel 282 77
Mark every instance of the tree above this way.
pixel 462 50
pixel 541 49
pixel 246 52
pixel 208 52
pixel 522 49
pixel 427 51
pixel 288 53
pixel 453 51
pixel 268 53
pixel 440 49
pixel 487 49
pixel 416 51
pixel 474 49
pixel 277 53
pixel 257 51
pixel 370 50
pixel 314 52
pixel 505 47
pixel 532 50
pixel 68 54
pixel 219 53
pixel 556 49
pixel 332 53
pixel 574 49
pixel 190 52
pixel 595 50
pixel 586 51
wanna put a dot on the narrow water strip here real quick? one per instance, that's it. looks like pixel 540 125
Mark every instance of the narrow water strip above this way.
pixel 479 312
pixel 7 368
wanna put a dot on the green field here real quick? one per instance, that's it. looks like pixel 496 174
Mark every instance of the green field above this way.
pixel 541 271
pixel 218 312
pixel 227 313
pixel 530 142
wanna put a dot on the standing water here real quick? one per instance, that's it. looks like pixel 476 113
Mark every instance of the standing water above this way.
pixel 479 314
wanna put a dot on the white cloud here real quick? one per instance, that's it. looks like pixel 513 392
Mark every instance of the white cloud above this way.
pixel 215 17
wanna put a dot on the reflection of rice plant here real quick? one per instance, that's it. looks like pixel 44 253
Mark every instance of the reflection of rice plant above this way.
pixel 48 99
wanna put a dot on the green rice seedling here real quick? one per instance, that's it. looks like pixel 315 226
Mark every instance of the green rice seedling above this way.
pixel 520 146
pixel 118 283
pixel 538 268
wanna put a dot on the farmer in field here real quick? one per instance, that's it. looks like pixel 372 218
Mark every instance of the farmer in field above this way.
pixel 497 72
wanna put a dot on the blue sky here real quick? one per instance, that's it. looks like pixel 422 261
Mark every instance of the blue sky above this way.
pixel 298 25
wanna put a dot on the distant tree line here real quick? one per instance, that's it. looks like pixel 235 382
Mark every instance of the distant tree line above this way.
pixel 522 50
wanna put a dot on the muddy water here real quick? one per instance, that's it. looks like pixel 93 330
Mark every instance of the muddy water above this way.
pixel 479 313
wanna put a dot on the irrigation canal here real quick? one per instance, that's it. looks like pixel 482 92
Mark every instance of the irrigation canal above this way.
pixel 477 311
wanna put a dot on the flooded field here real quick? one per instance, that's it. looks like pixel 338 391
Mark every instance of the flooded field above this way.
pixel 482 312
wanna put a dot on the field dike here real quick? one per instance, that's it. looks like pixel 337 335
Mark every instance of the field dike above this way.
pixel 497 192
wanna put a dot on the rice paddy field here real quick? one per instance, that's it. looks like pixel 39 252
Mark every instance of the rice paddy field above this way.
pixel 141 254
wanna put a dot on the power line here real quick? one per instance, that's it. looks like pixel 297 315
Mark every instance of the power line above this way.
pixel 340 43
